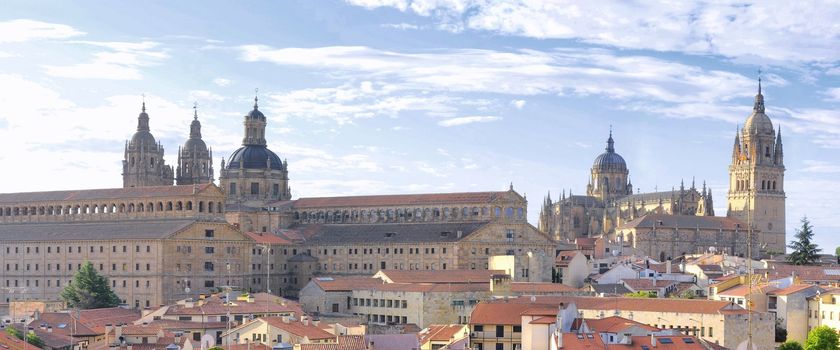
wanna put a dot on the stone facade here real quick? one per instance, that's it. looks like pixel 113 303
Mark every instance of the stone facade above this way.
pixel 143 163
pixel 151 243
pixel 757 176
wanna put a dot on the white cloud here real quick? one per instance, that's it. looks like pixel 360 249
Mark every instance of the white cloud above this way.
pixel 348 102
pixel 520 72
pixel 467 120
pixel 122 62
pixel 20 30
pixel 776 31
pixel 221 82
pixel 518 104
pixel 832 94
pixel 818 166
pixel 401 26
pixel 206 95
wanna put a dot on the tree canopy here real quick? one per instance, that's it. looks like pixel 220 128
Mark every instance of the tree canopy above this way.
pixel 805 252
pixel 89 290
pixel 822 338
pixel 791 345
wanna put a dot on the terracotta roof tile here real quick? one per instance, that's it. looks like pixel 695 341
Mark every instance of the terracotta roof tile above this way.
pixel 441 333
pixel 794 289
pixel 685 221
pixel 345 284
pixel 268 238
pixel 298 328
pixel 615 324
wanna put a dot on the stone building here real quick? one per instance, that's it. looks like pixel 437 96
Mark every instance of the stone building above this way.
pixel 155 244
pixel 666 237
pixel 253 175
pixel 756 193
pixel 143 163
pixel 757 176
pixel 195 159
pixel 609 201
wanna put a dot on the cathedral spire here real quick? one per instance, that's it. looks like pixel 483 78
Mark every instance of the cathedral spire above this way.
pixel 778 153
pixel 195 126
pixel 143 119
pixel 610 143
pixel 759 99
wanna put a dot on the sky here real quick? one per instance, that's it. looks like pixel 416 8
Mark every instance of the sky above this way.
pixel 416 96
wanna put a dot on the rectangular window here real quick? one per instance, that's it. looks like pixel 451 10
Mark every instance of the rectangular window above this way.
pixel 209 233
pixel 208 266
pixel 209 283
pixel 255 188
pixel 209 250
pixel 275 189
pixel 232 189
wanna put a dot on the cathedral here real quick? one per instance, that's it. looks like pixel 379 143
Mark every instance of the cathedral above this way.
pixel 755 200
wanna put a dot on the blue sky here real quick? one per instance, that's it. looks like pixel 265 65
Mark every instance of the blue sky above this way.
pixel 399 96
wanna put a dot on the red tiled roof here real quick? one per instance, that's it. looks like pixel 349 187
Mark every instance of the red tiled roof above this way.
pixel 298 328
pixel 345 284
pixel 792 289
pixel 615 324
pixel 9 342
pixel 105 193
pixel 508 311
pixel 263 304
pixel 398 199
pixel 440 276
pixel 805 273
pixel 430 287
pixel 96 319
pixel 743 290
pixel 441 333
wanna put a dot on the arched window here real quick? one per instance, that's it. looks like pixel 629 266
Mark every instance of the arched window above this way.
pixel 774 184
pixel 509 212
pixel 210 207
pixel 497 212
pixel 219 207
pixel 122 207
pixel 160 206
pixel 168 206
pixel 131 207
pixel 179 206
pixel 189 205
pixel 465 212
pixel 140 207
pixel 151 207
pixel 201 206
pixel 520 212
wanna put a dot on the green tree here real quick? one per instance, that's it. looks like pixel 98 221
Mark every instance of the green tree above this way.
pixel 89 290
pixel 33 339
pixel 14 332
pixel 804 251
pixel 822 338
pixel 791 345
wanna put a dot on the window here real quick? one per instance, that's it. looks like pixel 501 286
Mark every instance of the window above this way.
pixel 209 283
pixel 208 266
pixel 232 189
pixel 500 331
pixel 275 189
pixel 209 250
pixel 209 233
pixel 509 235
pixel 255 188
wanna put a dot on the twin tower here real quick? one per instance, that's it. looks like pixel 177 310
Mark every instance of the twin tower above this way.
pixel 253 175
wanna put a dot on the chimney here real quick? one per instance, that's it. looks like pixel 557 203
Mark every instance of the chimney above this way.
pixel 668 267
pixel 43 326
pixel 304 320
pixel 49 329
pixel 652 340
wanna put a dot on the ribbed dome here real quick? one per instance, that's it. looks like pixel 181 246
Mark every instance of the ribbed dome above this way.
pixel 197 144
pixel 145 138
pixel 254 157
pixel 256 114
pixel 759 123
pixel 609 160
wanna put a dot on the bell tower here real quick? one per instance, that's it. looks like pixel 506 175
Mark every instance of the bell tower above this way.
pixel 756 178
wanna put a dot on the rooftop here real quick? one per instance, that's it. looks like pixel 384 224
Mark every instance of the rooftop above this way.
pixel 400 200
pixel 684 221
pixel 105 193
pixel 438 276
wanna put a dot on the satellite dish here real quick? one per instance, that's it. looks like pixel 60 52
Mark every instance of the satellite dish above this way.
pixel 207 342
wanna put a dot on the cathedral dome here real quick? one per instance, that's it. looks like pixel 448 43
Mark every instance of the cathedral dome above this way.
pixel 143 138
pixel 758 122
pixel 197 144
pixel 609 160
pixel 254 157
pixel 255 113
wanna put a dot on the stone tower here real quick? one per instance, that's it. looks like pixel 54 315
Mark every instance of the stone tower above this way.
pixel 254 175
pixel 143 164
pixel 609 175
pixel 195 159
pixel 757 176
